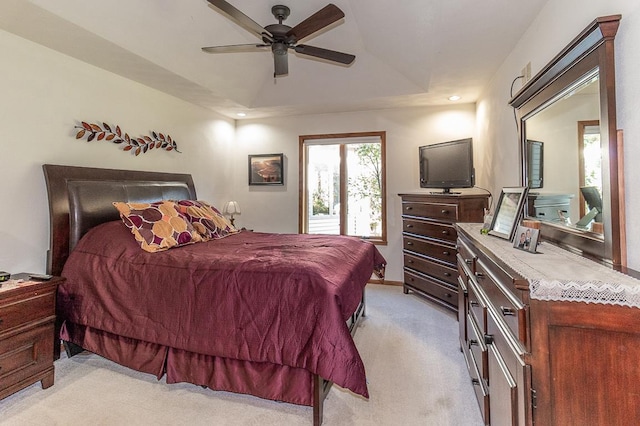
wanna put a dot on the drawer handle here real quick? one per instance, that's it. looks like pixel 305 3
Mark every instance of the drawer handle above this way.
pixel 409 243
pixel 408 208
pixel 474 303
pixel 475 382
pixel 480 275
pixel 488 339
pixel 473 342
pixel 409 261
pixel 445 232
pixel 409 226
pixel 446 253
pixel 448 295
pixel 447 274
pixel 507 311
pixel 444 211
pixel 468 261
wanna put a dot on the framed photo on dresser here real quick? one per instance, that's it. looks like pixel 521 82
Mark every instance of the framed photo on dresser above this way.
pixel 508 212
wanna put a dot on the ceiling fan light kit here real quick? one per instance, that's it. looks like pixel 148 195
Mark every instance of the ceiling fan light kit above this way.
pixel 280 37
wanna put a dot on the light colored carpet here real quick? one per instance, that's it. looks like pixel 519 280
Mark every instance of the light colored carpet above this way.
pixel 415 370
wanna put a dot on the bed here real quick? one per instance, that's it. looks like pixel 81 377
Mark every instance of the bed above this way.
pixel 217 313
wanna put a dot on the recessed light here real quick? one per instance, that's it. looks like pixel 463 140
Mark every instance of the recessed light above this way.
pixel 241 114
pixel 454 98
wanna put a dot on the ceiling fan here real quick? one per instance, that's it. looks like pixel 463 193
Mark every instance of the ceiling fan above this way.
pixel 280 37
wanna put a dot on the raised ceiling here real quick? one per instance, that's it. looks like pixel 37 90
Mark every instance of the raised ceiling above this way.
pixel 408 52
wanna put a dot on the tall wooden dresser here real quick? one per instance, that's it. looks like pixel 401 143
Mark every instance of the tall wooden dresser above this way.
pixel 429 241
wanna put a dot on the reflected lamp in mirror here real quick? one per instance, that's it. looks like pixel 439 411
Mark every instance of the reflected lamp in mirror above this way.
pixel 231 208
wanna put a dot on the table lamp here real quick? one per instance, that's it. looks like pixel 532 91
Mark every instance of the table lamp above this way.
pixel 231 208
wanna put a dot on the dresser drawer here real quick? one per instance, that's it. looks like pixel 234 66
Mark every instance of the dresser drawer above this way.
pixel 442 252
pixel 507 371
pixel 444 273
pixel 435 230
pixel 440 211
pixel 477 346
pixel 431 287
pixel 26 354
pixel 507 306
pixel 477 304
pixel 480 385
pixel 18 312
pixel 466 256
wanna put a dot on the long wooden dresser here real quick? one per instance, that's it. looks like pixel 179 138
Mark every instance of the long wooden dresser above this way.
pixel 549 338
pixel 429 241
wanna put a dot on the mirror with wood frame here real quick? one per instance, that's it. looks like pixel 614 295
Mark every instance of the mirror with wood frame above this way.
pixel 571 154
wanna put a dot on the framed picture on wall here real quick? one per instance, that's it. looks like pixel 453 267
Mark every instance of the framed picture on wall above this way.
pixel 508 212
pixel 266 169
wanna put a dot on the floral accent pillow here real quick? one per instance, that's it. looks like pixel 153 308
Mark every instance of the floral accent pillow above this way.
pixel 206 219
pixel 157 226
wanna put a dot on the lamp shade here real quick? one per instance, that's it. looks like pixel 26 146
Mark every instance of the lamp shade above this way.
pixel 231 208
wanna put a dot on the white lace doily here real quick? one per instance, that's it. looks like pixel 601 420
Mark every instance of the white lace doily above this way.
pixel 556 274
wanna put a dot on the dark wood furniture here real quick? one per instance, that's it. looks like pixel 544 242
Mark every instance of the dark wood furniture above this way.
pixel 547 358
pixel 584 363
pixel 591 51
pixel 429 242
pixel 80 198
pixel 27 340
pixel 494 331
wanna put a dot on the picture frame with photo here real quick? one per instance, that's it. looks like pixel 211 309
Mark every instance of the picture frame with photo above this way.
pixel 266 169
pixel 508 212
pixel 526 238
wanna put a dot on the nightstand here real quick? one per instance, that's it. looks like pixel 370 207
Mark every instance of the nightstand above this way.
pixel 27 332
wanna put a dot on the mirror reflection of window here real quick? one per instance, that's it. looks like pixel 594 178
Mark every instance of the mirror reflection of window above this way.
pixel 590 158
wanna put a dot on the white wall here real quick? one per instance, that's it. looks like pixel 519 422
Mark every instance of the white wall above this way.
pixel 45 93
pixel 556 25
pixel 43 96
pixel 275 209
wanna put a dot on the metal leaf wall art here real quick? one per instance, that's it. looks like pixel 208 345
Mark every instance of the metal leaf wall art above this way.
pixel 115 135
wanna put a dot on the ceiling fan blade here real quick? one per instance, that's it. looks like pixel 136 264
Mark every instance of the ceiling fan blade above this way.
pixel 241 19
pixel 322 18
pixel 236 48
pixel 330 55
pixel 281 64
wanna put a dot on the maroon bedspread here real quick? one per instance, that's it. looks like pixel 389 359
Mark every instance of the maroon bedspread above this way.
pixel 259 297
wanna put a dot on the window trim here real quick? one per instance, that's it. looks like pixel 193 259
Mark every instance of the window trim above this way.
pixel 302 189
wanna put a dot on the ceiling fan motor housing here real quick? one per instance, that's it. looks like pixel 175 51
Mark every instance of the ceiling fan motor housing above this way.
pixel 279 32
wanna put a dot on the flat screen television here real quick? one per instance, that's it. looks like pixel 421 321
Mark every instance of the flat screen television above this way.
pixel 447 165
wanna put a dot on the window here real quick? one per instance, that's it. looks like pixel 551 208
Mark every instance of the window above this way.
pixel 343 185
pixel 590 158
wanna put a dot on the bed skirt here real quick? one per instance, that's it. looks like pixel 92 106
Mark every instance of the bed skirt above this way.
pixel 264 380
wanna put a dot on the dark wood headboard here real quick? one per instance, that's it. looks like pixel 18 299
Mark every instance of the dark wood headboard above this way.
pixel 81 198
